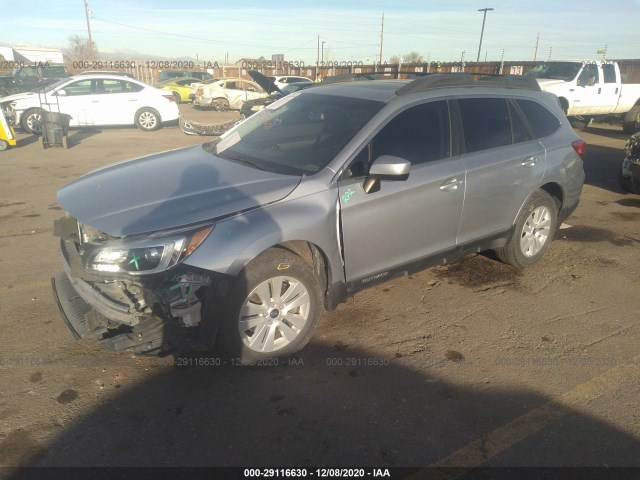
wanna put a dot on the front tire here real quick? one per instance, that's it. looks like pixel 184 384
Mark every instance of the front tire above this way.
pixel 31 121
pixel 273 310
pixel 534 230
pixel 147 119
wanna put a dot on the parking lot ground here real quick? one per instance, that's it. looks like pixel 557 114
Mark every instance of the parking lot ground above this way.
pixel 469 364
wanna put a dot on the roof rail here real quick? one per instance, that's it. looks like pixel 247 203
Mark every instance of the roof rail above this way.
pixel 444 80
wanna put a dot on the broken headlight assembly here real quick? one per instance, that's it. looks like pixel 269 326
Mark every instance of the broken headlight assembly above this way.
pixel 142 256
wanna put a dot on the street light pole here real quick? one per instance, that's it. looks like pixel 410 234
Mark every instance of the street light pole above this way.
pixel 485 10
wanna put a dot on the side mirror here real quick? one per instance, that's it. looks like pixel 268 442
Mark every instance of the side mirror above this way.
pixel 390 166
pixel 61 93
pixel 386 167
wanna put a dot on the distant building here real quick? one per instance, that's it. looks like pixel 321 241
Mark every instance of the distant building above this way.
pixel 31 54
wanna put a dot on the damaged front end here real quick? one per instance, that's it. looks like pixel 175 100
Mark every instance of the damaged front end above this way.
pixel 134 293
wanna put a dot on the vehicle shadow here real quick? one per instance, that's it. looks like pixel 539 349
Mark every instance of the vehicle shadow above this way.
pixel 81 134
pixel 602 167
pixel 330 406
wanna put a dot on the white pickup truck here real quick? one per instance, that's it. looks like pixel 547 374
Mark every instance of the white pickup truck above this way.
pixel 591 89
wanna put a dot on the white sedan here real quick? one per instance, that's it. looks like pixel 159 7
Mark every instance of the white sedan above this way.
pixel 94 100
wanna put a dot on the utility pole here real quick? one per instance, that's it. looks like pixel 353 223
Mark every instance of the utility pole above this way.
pixel 86 13
pixel 381 38
pixel 535 54
pixel 318 58
pixel 550 48
pixel 485 10
pixel 322 55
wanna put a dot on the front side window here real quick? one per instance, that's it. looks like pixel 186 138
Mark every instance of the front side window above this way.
pixel 82 87
pixel 486 123
pixel 420 134
pixel 589 75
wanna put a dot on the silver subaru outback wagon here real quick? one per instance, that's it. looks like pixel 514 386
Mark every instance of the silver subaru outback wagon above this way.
pixel 323 193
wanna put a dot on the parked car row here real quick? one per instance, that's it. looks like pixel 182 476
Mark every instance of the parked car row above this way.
pixel 94 100
pixel 113 98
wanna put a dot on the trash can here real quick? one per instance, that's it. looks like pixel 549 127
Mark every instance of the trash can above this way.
pixel 55 129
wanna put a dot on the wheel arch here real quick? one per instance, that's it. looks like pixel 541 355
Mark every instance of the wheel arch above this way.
pixel 311 254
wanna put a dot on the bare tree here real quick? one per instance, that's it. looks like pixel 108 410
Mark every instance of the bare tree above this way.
pixel 412 57
pixel 80 48
pixel 395 59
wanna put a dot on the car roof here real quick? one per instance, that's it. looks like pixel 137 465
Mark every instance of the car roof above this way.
pixel 435 84
pixel 110 76
pixel 378 90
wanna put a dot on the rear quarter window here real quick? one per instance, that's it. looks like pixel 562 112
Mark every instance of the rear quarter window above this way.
pixel 542 121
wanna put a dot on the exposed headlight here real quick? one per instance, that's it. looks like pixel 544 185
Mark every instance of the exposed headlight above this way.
pixel 151 254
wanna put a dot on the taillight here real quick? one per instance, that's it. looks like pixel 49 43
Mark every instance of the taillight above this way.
pixel 169 97
pixel 580 147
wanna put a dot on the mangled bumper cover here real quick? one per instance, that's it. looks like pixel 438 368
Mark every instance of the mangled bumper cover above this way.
pixel 211 129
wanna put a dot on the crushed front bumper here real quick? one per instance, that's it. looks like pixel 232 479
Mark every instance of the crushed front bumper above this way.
pixel 84 320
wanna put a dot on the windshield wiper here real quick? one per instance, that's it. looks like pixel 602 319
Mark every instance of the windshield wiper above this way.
pixel 240 158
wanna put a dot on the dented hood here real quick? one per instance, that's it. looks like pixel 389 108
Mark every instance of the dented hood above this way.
pixel 169 190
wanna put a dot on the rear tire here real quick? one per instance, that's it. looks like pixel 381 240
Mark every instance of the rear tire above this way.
pixel 3 145
pixel 273 309
pixel 147 119
pixel 631 122
pixel 533 233
pixel 220 104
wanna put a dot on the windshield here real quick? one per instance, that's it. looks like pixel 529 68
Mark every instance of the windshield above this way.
pixel 299 134
pixel 566 71
pixel 53 86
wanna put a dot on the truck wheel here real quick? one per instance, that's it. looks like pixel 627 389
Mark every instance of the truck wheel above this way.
pixel 3 145
pixel 274 308
pixel 533 231
pixel 31 120
pixel 631 122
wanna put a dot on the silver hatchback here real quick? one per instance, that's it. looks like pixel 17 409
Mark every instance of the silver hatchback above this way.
pixel 323 193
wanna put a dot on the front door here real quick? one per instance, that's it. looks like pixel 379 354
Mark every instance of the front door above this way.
pixel 405 220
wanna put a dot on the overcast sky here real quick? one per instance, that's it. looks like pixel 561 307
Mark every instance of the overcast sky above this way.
pixel 439 30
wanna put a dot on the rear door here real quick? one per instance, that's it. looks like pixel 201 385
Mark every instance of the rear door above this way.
pixel 404 220
pixel 504 164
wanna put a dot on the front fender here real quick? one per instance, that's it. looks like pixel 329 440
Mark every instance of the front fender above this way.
pixel 236 241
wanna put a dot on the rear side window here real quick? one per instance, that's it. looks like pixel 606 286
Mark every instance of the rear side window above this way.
pixel 609 71
pixel 542 121
pixel 486 123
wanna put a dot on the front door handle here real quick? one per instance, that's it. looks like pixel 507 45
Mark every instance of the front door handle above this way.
pixel 450 185
pixel 529 161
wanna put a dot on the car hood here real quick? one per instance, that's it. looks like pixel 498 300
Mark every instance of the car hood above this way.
pixel 265 83
pixel 549 82
pixel 18 96
pixel 168 190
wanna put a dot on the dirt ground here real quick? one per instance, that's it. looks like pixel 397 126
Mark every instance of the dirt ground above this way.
pixel 470 364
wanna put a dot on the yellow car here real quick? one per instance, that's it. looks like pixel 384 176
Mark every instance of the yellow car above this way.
pixel 179 87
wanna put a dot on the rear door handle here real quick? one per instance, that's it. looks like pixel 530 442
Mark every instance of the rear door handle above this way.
pixel 529 161
pixel 450 185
